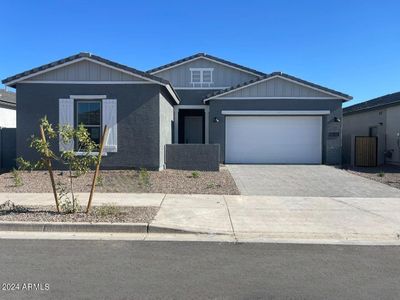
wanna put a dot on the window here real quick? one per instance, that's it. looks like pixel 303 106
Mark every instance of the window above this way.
pixel 201 77
pixel 196 76
pixel 88 113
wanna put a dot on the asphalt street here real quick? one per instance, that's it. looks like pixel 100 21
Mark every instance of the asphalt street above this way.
pixel 195 270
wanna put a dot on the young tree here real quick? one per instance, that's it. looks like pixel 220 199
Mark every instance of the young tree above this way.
pixel 77 165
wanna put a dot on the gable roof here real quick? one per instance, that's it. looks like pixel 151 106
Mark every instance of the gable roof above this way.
pixel 7 98
pixel 283 76
pixel 12 80
pixel 209 57
pixel 385 100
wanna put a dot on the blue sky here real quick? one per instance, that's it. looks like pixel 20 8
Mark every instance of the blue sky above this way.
pixel 352 46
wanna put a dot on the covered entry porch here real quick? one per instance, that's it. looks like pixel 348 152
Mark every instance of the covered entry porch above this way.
pixel 191 123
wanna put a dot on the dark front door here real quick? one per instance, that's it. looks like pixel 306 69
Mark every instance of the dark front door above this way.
pixel 191 126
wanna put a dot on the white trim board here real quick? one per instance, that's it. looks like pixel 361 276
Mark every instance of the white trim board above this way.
pixel 266 98
pixel 188 106
pixel 275 112
pixel 88 97
pixel 201 88
pixel 86 82
pixel 209 59
pixel 270 78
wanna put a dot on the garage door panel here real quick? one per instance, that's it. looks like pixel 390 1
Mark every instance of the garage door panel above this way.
pixel 273 139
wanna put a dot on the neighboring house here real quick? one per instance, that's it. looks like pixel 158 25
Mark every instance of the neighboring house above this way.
pixel 379 117
pixel 7 109
pixel 253 116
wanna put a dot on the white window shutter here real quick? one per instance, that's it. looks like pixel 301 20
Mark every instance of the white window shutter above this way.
pixel 66 117
pixel 110 119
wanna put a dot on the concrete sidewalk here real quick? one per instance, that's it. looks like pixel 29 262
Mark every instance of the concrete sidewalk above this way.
pixel 260 218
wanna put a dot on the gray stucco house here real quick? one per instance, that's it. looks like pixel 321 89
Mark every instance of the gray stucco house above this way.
pixel 380 118
pixel 254 117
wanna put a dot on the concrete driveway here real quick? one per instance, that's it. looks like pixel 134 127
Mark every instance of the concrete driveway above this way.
pixel 306 181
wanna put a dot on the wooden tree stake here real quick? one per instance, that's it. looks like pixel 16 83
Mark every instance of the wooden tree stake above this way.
pixel 96 172
pixel 48 162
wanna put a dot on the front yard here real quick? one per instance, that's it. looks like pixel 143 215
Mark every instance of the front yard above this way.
pixel 125 181
pixel 387 174
pixel 105 213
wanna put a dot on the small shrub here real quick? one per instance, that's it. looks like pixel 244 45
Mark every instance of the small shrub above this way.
pixel 144 177
pixel 70 206
pixel 99 180
pixel 108 210
pixel 195 174
pixel 68 202
pixel 381 174
pixel 24 164
pixel 16 176
pixel 210 185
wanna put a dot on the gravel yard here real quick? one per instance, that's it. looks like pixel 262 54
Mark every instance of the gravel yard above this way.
pixel 126 181
pixel 386 174
pixel 111 214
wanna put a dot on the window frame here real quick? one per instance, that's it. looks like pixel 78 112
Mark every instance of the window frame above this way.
pixel 201 83
pixel 78 101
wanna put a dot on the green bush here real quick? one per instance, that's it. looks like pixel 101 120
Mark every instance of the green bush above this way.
pixel 144 177
pixel 16 176
pixel 107 210
pixel 195 174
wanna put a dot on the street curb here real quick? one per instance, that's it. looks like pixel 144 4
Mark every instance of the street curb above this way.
pixel 90 227
pixel 74 227
pixel 161 229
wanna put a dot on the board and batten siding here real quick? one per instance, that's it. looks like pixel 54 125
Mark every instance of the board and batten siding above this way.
pixel 276 87
pixel 223 76
pixel 85 71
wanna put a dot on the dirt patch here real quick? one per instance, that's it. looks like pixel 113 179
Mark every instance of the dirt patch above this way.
pixel 110 214
pixel 127 181
pixel 386 174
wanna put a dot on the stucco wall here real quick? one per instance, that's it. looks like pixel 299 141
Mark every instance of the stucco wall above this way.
pixel 193 97
pixel 199 157
pixel 358 125
pixel 166 125
pixel 137 114
pixel 392 133
pixel 332 146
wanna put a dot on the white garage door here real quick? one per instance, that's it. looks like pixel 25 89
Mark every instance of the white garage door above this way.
pixel 273 139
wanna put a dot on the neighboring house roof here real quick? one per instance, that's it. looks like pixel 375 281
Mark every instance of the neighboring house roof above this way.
pixel 7 98
pixel 206 56
pixel 281 75
pixel 11 81
pixel 385 100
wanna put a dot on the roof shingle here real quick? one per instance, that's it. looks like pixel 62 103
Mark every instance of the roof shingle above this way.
pixel 385 100
pixel 198 55
pixel 7 98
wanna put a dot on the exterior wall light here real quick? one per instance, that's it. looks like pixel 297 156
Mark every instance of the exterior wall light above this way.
pixel 337 120
pixel 216 120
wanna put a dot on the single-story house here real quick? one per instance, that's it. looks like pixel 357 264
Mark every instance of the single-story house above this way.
pixel 254 117
pixel 8 114
pixel 380 118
